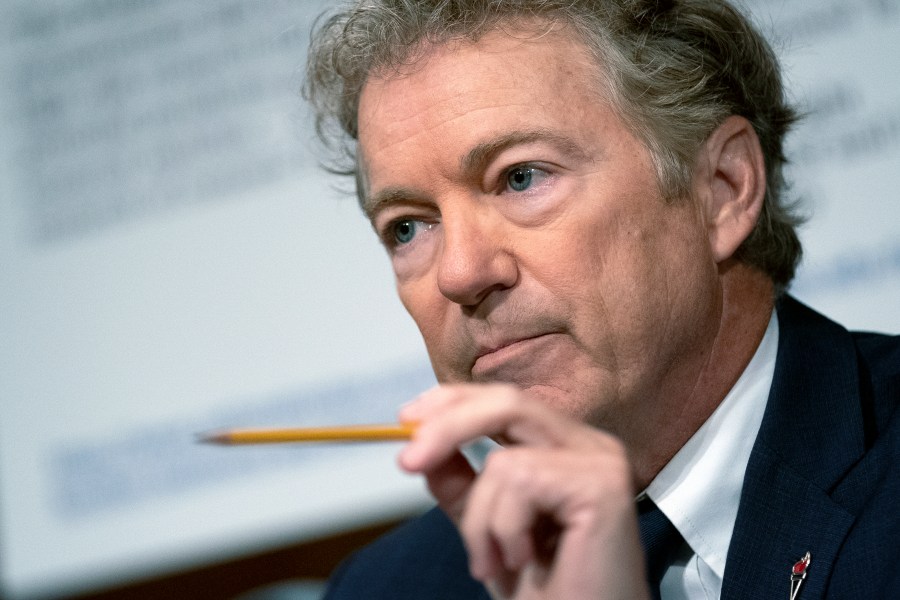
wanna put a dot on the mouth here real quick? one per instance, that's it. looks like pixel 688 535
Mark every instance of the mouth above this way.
pixel 516 354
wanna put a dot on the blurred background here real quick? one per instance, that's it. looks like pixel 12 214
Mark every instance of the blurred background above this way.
pixel 173 260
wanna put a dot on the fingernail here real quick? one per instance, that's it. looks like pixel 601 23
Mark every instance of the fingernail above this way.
pixel 409 410
pixel 407 458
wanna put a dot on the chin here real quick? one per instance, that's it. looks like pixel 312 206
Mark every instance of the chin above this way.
pixel 566 401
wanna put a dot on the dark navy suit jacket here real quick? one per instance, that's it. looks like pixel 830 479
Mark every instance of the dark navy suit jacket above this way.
pixel 823 478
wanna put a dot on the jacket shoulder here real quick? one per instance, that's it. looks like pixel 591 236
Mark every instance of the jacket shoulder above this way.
pixel 878 357
pixel 826 350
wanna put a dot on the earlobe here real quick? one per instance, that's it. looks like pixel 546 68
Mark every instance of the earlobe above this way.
pixel 733 178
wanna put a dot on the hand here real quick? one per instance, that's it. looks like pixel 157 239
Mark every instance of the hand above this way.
pixel 551 515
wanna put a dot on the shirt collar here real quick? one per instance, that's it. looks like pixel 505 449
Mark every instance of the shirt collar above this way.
pixel 700 488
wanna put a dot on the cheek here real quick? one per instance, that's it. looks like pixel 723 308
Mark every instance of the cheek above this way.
pixel 626 272
pixel 415 300
pixel 428 310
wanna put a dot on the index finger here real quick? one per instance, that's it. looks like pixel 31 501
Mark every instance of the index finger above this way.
pixel 450 417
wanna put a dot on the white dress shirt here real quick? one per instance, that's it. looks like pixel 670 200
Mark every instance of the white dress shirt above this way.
pixel 700 488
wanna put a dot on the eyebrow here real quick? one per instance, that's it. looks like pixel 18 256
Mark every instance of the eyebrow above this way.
pixel 475 161
pixel 479 157
pixel 372 205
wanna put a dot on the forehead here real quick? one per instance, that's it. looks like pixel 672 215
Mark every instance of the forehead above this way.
pixel 500 60
pixel 511 78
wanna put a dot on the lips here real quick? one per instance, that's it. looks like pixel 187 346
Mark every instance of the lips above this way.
pixel 509 359
pixel 485 350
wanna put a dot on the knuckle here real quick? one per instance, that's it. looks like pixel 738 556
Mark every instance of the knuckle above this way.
pixel 496 463
pixel 515 471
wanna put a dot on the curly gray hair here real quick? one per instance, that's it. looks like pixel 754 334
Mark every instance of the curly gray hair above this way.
pixel 674 69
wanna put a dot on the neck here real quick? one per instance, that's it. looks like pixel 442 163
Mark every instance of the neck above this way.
pixel 747 302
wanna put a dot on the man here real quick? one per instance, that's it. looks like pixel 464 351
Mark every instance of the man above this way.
pixel 582 205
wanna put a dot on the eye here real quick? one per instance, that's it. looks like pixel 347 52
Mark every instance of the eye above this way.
pixel 403 231
pixel 519 178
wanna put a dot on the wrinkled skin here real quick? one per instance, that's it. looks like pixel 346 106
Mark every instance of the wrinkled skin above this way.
pixel 533 248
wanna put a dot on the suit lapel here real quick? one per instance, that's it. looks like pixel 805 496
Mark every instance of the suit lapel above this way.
pixel 811 435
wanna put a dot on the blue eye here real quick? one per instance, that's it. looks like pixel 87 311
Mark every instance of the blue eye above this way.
pixel 404 231
pixel 519 178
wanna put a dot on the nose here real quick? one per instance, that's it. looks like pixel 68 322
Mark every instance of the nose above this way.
pixel 474 259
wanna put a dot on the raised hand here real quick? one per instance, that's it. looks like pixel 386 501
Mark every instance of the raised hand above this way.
pixel 552 513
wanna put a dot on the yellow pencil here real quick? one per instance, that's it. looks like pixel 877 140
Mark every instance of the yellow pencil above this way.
pixel 341 433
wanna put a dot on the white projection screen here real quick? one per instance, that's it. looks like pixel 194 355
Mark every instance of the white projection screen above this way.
pixel 173 259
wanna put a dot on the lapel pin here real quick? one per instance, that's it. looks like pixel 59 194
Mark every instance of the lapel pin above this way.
pixel 798 574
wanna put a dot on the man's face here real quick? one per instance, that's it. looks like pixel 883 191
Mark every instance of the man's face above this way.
pixel 528 236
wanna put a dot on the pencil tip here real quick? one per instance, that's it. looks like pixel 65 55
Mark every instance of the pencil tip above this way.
pixel 214 437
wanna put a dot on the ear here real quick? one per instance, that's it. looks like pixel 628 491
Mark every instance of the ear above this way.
pixel 731 183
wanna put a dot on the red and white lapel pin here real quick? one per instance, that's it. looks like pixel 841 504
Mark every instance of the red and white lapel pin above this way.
pixel 798 574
